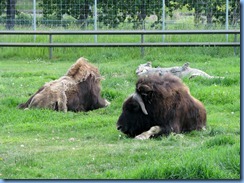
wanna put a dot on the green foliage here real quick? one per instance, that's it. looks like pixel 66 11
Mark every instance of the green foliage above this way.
pixel 114 13
pixel 78 9
pixel 3 5
pixel 214 10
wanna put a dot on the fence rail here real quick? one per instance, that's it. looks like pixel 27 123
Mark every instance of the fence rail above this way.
pixel 141 32
pixel 141 44
pixel 189 44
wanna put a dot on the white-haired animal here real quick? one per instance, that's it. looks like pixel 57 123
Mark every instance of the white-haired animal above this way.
pixel 180 71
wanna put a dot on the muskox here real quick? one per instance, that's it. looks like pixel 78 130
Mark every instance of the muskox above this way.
pixel 159 106
pixel 78 90
pixel 179 71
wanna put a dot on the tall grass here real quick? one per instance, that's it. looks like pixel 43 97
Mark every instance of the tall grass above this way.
pixel 63 53
pixel 44 144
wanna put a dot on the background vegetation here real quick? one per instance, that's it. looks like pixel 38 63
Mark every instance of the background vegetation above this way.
pixel 53 145
pixel 114 13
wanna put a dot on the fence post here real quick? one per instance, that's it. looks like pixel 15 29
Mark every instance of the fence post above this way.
pixel 163 18
pixel 50 48
pixel 227 18
pixel 235 40
pixel 142 38
pixel 34 18
pixel 95 19
pixel 142 48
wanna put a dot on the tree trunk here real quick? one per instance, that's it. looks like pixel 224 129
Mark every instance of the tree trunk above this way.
pixel 84 12
pixel 10 14
pixel 209 17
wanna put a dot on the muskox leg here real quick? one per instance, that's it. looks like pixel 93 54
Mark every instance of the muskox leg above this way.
pixel 107 103
pixel 151 132
pixel 62 102
pixel 101 103
pixel 26 105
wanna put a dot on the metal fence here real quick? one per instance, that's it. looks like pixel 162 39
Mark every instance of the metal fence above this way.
pixel 119 14
pixel 217 20
pixel 142 44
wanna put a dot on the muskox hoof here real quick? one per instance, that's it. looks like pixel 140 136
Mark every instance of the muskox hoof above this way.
pixel 107 103
pixel 143 136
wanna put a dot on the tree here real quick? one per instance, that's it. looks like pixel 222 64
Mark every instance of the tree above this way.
pixel 113 12
pixel 214 10
pixel 10 14
pixel 235 12
pixel 79 9
pixel 110 13
pixel 2 6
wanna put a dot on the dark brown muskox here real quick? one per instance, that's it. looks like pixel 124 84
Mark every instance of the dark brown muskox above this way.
pixel 78 90
pixel 159 106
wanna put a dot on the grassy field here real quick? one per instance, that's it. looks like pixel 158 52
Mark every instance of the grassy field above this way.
pixel 44 144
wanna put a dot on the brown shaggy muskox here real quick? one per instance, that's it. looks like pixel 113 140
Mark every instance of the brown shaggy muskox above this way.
pixel 78 90
pixel 160 105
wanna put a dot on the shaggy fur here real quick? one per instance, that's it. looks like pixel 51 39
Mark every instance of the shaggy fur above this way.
pixel 78 90
pixel 169 105
pixel 179 71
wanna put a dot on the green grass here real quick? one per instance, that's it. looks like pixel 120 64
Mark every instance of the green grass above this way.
pixel 44 144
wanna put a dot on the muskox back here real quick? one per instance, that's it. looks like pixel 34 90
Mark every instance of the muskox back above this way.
pixel 166 103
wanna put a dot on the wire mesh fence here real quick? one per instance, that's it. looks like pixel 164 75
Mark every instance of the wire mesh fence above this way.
pixel 119 14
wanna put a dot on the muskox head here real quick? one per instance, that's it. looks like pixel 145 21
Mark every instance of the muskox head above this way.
pixel 134 113
pixel 163 102
pixel 143 68
pixel 137 112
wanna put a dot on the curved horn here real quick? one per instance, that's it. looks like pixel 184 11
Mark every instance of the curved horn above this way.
pixel 138 98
